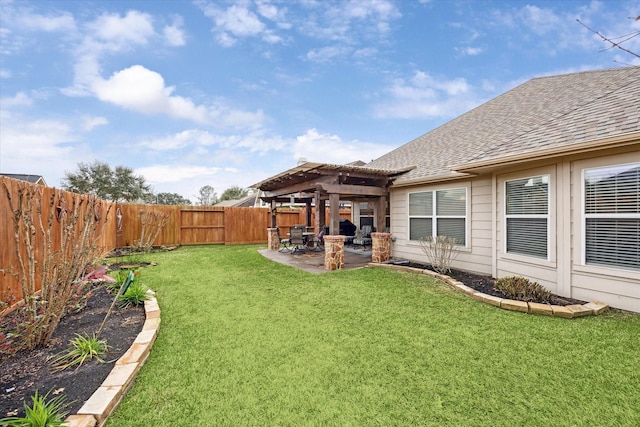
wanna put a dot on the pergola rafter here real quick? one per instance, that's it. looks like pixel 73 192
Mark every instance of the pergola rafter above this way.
pixel 315 183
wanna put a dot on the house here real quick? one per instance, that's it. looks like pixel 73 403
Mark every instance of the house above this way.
pixel 542 181
pixel 35 179
pixel 248 201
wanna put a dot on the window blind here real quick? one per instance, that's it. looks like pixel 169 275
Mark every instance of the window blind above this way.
pixel 612 216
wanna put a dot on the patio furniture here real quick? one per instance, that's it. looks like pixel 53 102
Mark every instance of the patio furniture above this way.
pixel 317 242
pixel 297 239
pixel 283 243
pixel 363 237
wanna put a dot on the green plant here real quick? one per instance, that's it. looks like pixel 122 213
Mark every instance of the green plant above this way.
pixel 135 295
pixel 43 413
pixel 83 347
pixel 523 289
pixel 120 277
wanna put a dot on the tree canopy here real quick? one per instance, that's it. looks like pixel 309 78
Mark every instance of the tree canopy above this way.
pixel 117 185
pixel 234 193
pixel 171 199
pixel 207 196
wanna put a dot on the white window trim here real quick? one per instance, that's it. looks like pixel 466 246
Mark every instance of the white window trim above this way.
pixel 433 216
pixel 583 223
pixel 505 216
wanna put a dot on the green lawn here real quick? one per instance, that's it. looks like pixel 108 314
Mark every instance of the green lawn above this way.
pixel 245 341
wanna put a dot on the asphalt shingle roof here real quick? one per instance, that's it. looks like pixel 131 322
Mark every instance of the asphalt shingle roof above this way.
pixel 545 112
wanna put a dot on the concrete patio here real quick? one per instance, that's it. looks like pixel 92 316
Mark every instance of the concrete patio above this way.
pixel 313 262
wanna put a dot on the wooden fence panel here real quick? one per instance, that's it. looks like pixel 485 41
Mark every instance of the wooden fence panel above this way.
pixel 131 225
pixel 122 226
pixel 46 203
pixel 246 225
pixel 202 225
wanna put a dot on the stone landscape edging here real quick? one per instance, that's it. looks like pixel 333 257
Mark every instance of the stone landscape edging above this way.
pixel 567 312
pixel 107 397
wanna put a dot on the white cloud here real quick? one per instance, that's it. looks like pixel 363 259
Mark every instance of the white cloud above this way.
pixel 233 23
pixel 134 28
pixel 471 51
pixel 198 138
pixel 139 89
pixel 91 122
pixel 327 148
pixel 424 96
pixel 351 21
pixel 174 34
pixel 5 74
pixel 37 146
pixel 111 34
pixel 326 54
pixel 174 173
pixel 239 21
pixel 20 99
pixel 47 23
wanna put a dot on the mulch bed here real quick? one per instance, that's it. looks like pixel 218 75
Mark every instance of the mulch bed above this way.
pixel 27 371
pixel 485 284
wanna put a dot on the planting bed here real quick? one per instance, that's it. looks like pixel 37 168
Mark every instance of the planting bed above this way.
pixel 27 371
pixel 485 284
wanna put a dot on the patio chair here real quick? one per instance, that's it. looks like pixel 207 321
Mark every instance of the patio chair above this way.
pixel 318 242
pixel 284 243
pixel 297 239
pixel 363 237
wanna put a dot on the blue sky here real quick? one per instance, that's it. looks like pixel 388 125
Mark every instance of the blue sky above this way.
pixel 226 93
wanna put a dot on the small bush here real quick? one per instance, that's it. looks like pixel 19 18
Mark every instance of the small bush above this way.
pixel 440 252
pixel 523 289
pixel 83 347
pixel 136 294
pixel 43 413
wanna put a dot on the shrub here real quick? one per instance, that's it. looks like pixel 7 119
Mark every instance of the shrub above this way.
pixel 136 294
pixel 43 413
pixel 440 252
pixel 523 289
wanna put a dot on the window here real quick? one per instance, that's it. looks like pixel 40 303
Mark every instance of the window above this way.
pixel 527 216
pixel 612 216
pixel 439 213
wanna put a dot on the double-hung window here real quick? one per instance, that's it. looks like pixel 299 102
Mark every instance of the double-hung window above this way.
pixel 439 213
pixel 527 216
pixel 611 215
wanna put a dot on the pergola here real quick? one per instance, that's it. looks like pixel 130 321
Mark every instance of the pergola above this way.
pixel 317 183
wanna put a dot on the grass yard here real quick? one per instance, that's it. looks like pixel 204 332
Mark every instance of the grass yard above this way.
pixel 245 341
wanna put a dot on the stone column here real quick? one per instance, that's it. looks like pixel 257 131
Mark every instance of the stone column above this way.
pixel 273 240
pixel 380 247
pixel 333 252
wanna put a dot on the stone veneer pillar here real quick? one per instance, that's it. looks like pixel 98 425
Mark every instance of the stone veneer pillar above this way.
pixel 334 252
pixel 380 247
pixel 273 240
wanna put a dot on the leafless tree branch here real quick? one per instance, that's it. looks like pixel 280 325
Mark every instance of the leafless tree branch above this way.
pixel 613 43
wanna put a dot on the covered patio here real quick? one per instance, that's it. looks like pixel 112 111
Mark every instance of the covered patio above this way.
pixel 322 185
pixel 314 262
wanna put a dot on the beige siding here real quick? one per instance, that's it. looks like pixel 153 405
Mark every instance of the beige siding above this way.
pixel 616 287
pixel 475 258
pixel 539 270
pixel 564 272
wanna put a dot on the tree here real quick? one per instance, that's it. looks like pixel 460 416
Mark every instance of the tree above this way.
pixel 171 199
pixel 617 42
pixel 207 196
pixel 99 179
pixel 234 193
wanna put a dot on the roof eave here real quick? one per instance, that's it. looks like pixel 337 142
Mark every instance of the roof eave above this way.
pixel 488 165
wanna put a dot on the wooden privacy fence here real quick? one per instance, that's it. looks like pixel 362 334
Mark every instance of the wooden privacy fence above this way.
pixel 123 225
